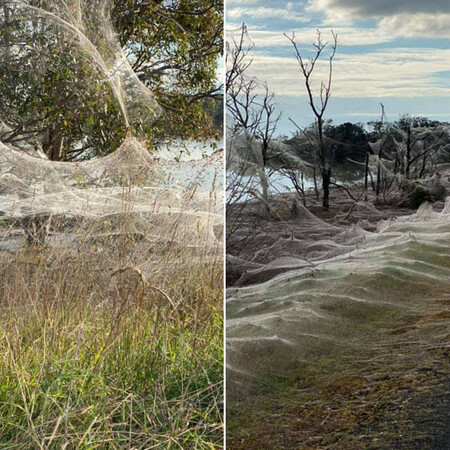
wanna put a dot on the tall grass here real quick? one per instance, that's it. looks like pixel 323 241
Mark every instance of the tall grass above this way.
pixel 96 353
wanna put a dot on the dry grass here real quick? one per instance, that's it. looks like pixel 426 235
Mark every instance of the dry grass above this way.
pixel 95 353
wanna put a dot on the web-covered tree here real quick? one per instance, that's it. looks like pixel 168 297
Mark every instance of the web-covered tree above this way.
pixel 51 91
pixel 408 155
pixel 253 120
pixel 174 46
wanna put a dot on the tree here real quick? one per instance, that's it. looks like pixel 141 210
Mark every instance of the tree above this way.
pixel 408 152
pixel 53 92
pixel 174 47
pixel 347 141
pixel 252 112
pixel 318 105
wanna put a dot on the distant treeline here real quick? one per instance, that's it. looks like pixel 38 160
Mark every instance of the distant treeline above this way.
pixel 351 140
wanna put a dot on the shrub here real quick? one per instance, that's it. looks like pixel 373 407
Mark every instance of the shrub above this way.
pixel 416 194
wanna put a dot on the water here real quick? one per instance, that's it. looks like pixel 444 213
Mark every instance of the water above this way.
pixel 279 183
pixel 194 167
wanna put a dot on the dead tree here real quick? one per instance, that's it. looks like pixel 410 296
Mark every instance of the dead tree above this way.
pixel 318 103
pixel 380 154
pixel 251 111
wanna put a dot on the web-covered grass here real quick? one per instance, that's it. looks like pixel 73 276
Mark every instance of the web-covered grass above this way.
pixel 110 303
pixel 111 279
pixel 349 353
pixel 90 358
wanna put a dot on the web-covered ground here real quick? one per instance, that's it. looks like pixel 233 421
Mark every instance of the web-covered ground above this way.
pixel 346 344
pixel 162 202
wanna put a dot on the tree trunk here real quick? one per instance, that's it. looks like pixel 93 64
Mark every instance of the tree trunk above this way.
pixel 265 191
pixel 316 190
pixel 372 183
pixel 380 155
pixel 366 176
pixel 408 154
pixel 326 179
pixel 396 163
pixel 303 190
pixel 424 165
pixel 324 167
pixel 53 142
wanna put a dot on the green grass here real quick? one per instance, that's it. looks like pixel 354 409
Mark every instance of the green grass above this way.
pixel 89 362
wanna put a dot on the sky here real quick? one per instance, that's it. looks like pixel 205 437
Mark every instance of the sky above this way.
pixel 395 52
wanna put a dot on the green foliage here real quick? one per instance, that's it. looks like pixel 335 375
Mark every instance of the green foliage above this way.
pixel 174 50
pixel 438 192
pixel 406 121
pixel 51 88
pixel 52 91
pixel 347 140
pixel 416 194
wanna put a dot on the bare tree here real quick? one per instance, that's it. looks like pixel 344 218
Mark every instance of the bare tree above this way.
pixel 318 103
pixel 252 112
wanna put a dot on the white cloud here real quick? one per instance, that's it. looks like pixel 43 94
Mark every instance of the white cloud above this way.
pixel 261 12
pixel 388 73
pixel 401 18
pixel 387 30
pixel 421 25
pixel 347 36
pixel 380 8
pixel 239 2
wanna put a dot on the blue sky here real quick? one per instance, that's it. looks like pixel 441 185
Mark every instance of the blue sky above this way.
pixel 392 51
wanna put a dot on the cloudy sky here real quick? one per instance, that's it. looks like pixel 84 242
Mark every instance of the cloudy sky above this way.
pixel 392 51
